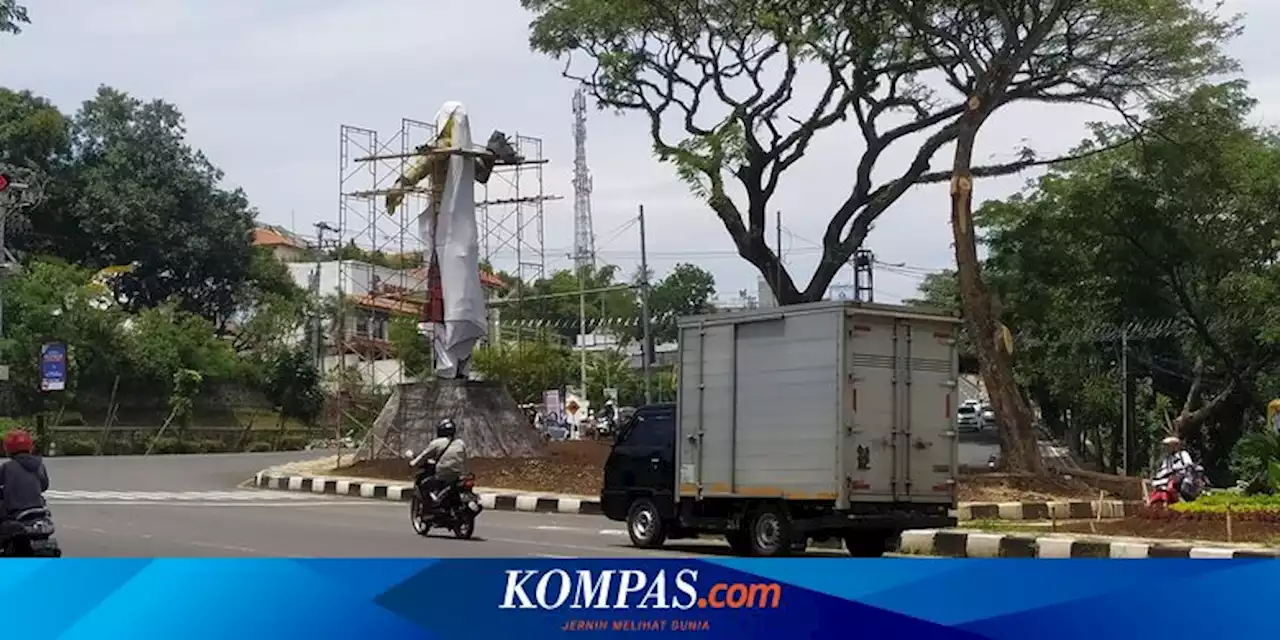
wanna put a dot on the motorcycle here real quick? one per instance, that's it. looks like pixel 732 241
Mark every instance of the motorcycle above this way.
pixel 456 511
pixel 1179 487
pixel 35 540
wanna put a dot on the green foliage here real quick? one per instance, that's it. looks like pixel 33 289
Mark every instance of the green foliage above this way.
pixel 294 385
pixel 411 348
pixel 127 188
pixel 686 291
pixel 528 368
pixel 1168 231
pixel 12 16
pixel 1254 458
pixel 1234 502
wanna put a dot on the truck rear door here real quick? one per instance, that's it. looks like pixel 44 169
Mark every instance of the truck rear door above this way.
pixel 926 393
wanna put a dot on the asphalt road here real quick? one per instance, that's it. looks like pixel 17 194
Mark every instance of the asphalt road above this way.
pixel 165 473
pixel 276 524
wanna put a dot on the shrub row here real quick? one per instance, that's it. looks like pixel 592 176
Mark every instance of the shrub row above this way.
pixel 84 446
pixel 1185 515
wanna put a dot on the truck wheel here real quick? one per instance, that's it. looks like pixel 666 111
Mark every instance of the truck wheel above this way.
pixel 866 544
pixel 770 532
pixel 644 525
pixel 739 542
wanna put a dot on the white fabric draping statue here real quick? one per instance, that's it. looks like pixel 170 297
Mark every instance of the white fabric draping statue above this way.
pixel 448 229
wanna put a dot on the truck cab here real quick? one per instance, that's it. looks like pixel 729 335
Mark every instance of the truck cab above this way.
pixel 641 467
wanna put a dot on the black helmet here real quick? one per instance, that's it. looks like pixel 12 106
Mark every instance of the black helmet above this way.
pixel 446 429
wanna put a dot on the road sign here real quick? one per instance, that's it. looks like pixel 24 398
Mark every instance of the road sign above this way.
pixel 572 407
pixel 53 366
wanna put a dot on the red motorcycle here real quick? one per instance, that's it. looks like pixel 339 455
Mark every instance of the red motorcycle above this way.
pixel 1175 489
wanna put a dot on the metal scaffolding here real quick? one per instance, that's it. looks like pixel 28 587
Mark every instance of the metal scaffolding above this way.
pixel 510 220
pixel 512 228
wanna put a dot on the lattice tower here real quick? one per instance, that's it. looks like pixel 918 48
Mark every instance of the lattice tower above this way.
pixel 584 241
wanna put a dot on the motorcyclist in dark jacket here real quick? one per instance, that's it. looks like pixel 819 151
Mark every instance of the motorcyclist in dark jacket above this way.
pixel 23 478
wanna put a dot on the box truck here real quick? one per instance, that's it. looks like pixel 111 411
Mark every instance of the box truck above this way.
pixel 828 420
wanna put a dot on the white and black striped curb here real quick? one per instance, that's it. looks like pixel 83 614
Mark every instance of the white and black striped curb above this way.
pixel 1055 510
pixel 404 492
pixel 967 544
pixel 1078 510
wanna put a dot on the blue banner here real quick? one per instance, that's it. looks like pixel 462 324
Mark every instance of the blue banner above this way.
pixel 53 366
pixel 712 598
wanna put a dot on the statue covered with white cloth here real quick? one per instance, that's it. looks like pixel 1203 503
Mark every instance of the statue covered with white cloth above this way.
pixel 455 315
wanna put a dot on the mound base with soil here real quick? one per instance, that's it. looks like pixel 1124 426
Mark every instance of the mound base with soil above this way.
pixel 488 420
pixel 566 467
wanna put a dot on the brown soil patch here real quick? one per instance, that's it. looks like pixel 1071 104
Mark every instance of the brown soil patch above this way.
pixel 1006 487
pixel 1207 530
pixel 568 467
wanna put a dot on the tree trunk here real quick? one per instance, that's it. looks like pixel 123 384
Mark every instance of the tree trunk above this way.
pixel 1019 449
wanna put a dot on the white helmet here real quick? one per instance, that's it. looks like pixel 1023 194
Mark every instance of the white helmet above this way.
pixel 1171 440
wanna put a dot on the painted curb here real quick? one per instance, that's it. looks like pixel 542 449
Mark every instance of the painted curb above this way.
pixel 543 503
pixel 404 492
pixel 1048 510
pixel 974 544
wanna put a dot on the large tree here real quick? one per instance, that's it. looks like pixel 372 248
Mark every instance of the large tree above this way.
pixel 1165 242
pixel 992 53
pixel 129 189
pixel 717 79
pixel 685 291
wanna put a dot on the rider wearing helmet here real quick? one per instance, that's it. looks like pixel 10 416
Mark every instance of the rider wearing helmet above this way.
pixel 448 455
pixel 23 478
pixel 1175 462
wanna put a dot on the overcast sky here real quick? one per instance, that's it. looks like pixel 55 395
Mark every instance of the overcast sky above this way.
pixel 266 84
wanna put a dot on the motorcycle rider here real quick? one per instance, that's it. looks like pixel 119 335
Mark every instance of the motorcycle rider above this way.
pixel 23 480
pixel 1176 463
pixel 448 454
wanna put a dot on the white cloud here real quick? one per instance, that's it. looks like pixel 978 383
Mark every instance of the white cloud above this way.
pixel 265 86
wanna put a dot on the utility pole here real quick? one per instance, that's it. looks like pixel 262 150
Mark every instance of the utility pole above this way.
pixel 582 331
pixel 777 276
pixel 647 348
pixel 318 335
pixel 1124 402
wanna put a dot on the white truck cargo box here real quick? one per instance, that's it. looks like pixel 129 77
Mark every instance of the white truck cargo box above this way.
pixel 831 401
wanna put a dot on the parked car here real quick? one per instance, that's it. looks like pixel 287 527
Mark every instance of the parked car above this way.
pixel 988 418
pixel 968 417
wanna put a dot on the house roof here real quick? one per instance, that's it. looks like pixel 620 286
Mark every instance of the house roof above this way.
pixel 488 279
pixel 268 236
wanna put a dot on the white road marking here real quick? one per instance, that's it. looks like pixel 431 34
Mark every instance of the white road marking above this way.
pixel 61 496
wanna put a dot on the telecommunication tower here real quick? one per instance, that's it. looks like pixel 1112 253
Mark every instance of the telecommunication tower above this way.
pixel 584 241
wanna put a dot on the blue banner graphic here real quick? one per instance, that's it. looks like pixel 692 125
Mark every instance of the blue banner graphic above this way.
pixel 731 598
pixel 53 367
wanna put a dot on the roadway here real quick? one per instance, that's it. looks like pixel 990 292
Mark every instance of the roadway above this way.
pixel 190 506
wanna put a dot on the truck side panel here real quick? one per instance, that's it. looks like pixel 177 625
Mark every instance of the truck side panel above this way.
pixel 782 436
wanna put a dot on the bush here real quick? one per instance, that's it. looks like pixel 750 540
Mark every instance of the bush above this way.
pixel 293 443
pixel 164 445
pixel 258 446
pixel 77 447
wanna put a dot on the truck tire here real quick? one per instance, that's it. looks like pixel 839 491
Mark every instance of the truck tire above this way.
pixel 770 532
pixel 867 544
pixel 645 525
